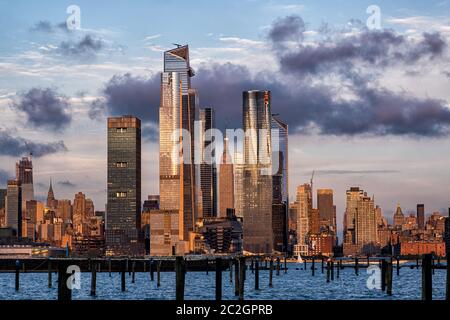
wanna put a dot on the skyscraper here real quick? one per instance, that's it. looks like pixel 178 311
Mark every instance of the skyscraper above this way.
pixel 52 203
pixel 24 173
pixel 353 196
pixel 178 104
pixel 304 211
pixel 366 225
pixel 2 198
pixel 326 209
pixel 208 170
pixel 124 185
pixel 226 181
pixel 13 212
pixel 238 183
pixel 421 216
pixel 280 186
pixel 257 180
pixel 399 217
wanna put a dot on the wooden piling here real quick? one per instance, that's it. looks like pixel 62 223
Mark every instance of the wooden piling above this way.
pixel 338 269
pixel 398 266
pixel 133 265
pixel 432 265
pixel 285 264
pixel 256 274
pixel 49 266
pixel 241 277
pixel 448 278
pixel 123 266
pixel 252 267
pixel 357 266
pixel 93 280
pixel 328 271
pixel 230 266
pixel 332 270
pixel 304 265
pixel 389 271
pixel 17 275
pixel 236 277
pixel 109 267
pixel 218 279
pixel 207 266
pixel 180 277
pixel 278 266
pixel 128 267
pixel 322 265
pixel 64 291
pixel 158 274
pixel 271 273
pixel 427 278
pixel 151 269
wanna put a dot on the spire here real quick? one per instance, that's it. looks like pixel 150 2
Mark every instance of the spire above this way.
pixel 226 157
pixel 50 195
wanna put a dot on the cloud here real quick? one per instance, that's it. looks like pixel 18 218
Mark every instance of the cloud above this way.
pixel 66 183
pixel 290 28
pixel 44 108
pixel 17 146
pixel 46 26
pixel 85 48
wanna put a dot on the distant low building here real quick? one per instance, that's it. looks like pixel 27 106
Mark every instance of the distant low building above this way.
pixel 422 247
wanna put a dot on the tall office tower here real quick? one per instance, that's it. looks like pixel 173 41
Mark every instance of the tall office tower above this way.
pixel 239 183
pixel 123 209
pixel 257 184
pixel 421 216
pixel 52 203
pixel 83 210
pixel 226 181
pixel 177 111
pixel 365 223
pixel 353 196
pixel 326 209
pixel 13 211
pixel 208 169
pixel 399 217
pixel 24 173
pixel 64 210
pixel 2 198
pixel 304 210
pixel 280 185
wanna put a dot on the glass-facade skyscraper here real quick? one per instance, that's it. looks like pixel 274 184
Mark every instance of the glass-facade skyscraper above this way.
pixel 257 175
pixel 124 186
pixel 208 169
pixel 178 105
pixel 13 210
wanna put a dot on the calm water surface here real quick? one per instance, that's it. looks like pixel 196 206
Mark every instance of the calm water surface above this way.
pixel 297 284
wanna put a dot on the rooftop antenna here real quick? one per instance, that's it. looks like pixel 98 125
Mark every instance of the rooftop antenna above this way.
pixel 30 152
pixel 176 44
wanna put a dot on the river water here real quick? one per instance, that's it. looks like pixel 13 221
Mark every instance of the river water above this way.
pixel 296 284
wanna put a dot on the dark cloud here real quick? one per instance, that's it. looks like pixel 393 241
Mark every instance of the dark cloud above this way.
pixel 17 146
pixel 84 48
pixel 66 183
pixel 44 108
pixel 4 176
pixel 290 28
pixel 46 26
pixel 375 48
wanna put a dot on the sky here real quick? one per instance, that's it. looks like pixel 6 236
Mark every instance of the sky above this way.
pixel 365 107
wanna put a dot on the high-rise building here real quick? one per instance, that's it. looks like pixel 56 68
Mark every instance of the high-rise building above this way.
pixel 304 210
pixel 124 185
pixel 178 104
pixel 2 198
pixel 52 203
pixel 326 209
pixel 238 183
pixel 421 216
pixel 353 196
pixel 24 173
pixel 366 226
pixel 208 169
pixel 257 180
pixel 64 210
pixel 13 211
pixel 226 181
pixel 280 185
pixel 399 217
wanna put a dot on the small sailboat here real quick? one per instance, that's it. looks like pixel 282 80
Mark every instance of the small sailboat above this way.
pixel 299 259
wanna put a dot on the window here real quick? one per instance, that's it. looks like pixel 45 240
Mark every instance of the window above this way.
pixel 121 194
pixel 121 129
pixel 121 164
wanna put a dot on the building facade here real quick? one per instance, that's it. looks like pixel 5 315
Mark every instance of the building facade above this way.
pixel 124 186
pixel 226 181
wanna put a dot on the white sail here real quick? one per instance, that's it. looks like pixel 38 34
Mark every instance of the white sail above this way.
pixel 299 259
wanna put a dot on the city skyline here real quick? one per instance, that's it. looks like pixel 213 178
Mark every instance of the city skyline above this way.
pixel 403 164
